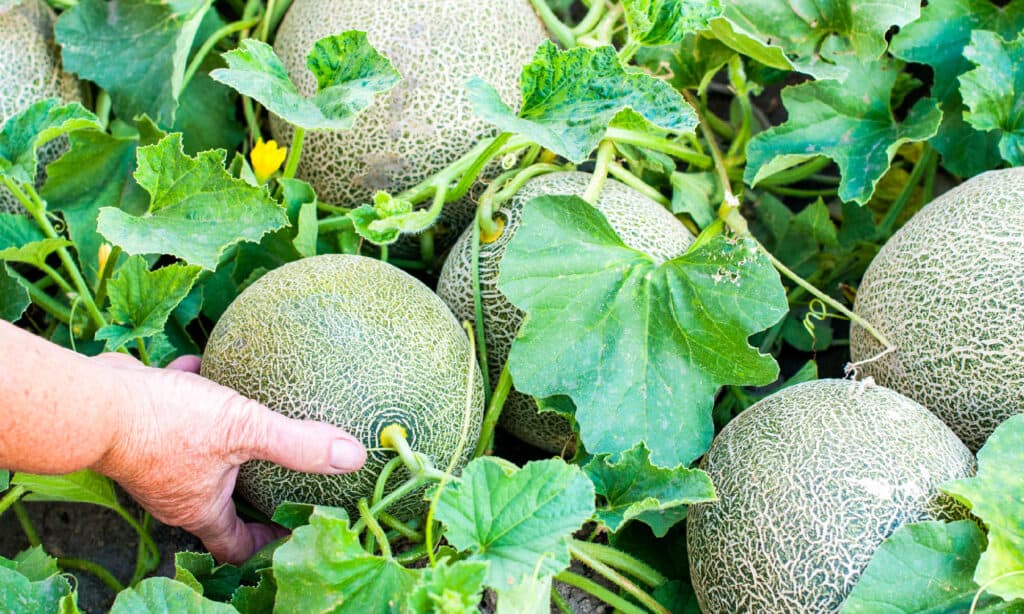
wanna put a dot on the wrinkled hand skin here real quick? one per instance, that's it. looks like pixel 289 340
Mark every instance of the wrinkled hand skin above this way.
pixel 179 452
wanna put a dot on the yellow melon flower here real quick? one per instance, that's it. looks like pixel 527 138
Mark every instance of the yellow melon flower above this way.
pixel 266 159
pixel 102 255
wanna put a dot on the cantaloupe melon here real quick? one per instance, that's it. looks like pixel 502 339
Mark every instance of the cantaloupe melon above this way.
pixel 641 223
pixel 426 122
pixel 355 342
pixel 30 71
pixel 948 291
pixel 810 481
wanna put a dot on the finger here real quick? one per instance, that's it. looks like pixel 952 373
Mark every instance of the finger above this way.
pixel 117 359
pixel 227 538
pixel 185 363
pixel 302 445
pixel 263 534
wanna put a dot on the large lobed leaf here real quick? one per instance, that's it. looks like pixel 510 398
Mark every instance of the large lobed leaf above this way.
pixel 31 582
pixel 23 134
pixel 349 74
pixel 851 122
pixel 938 38
pixel 994 91
pixel 571 97
pixel 663 22
pixel 136 50
pixel 197 210
pixel 449 588
pixel 640 347
pixel 994 496
pixel 163 596
pixel 518 520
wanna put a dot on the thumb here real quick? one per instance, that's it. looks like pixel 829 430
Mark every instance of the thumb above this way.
pixel 301 445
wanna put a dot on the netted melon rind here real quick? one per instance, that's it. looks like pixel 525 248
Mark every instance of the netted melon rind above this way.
pixel 355 342
pixel 641 223
pixel 30 71
pixel 810 481
pixel 948 291
pixel 426 122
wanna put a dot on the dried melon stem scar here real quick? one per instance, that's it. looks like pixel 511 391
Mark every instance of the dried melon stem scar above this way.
pixel 852 368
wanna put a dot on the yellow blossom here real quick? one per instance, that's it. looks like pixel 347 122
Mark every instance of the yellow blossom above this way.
pixel 102 255
pixel 266 159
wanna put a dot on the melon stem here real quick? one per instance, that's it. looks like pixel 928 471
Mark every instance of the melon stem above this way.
pixel 589 586
pixel 375 531
pixel 605 155
pixel 618 579
pixel 501 390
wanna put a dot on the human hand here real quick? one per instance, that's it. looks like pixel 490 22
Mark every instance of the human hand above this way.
pixel 177 451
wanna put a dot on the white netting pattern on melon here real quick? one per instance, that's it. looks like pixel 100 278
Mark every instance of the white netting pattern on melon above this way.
pixel 948 291
pixel 30 70
pixel 426 122
pixel 810 481
pixel 641 223
pixel 355 342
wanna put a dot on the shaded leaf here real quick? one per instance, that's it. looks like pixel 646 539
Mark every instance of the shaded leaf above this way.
pixel 196 209
pixel 994 91
pixel 33 253
pixel 349 74
pixel 20 593
pixel 14 300
pixel 519 521
pixel 201 572
pixel 571 97
pixel 162 596
pixel 79 487
pixel 23 134
pixel 592 303
pixel 660 22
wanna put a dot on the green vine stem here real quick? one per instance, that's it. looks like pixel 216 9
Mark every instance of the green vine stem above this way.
pixel 93 569
pixel 383 477
pixel 597 10
pixel 509 183
pixel 478 306
pixel 494 408
pixel 149 553
pixel 619 172
pixel 375 531
pixel 427 248
pixel 103 106
pixel 620 560
pixel 929 159
pixel 43 300
pixel 589 586
pixel 621 581
pixel 26 524
pixel 560 602
pixel 333 224
pixel 562 32
pixel 108 270
pixel 400 527
pixel 661 144
pixel 294 153
pixel 479 161
pixel 11 497
pixel 211 42
pixel 984 587
pixel 796 173
pixel 57 278
pixel 268 15
pixel 404 489
pixel 605 155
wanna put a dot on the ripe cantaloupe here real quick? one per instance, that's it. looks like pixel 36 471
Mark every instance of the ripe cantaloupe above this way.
pixel 810 481
pixel 355 342
pixel 426 122
pixel 948 292
pixel 30 71
pixel 641 223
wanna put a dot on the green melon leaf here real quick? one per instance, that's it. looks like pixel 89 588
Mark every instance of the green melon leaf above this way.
pixel 825 39
pixel 994 91
pixel 663 22
pixel 14 300
pixel 32 583
pixel 33 253
pixel 5 475
pixel 257 599
pixel 136 50
pixel 519 521
pixel 196 209
pixel 571 97
pixel 634 489
pixel 852 123
pixel 23 134
pixel 207 113
pixel 384 221
pixel 323 568
pixel 79 487
pixel 95 172
pixel 349 74
pixel 141 300
pixel 35 564
pixel 938 39
pixel 449 588
pixel 163 595
pixel 201 572
pixel 17 231
pixel 924 567
pixel 530 595
pixel 994 496
pixel 647 345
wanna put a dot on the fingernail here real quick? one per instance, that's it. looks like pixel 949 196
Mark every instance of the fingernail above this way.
pixel 347 455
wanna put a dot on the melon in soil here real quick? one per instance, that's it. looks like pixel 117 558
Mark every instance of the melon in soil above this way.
pixel 357 343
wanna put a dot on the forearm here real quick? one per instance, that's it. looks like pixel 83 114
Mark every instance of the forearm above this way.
pixel 58 410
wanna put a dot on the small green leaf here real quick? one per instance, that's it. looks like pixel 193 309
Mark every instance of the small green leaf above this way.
pixel 449 588
pixel 824 39
pixel 136 50
pixel 14 300
pixel 384 221
pixel 571 97
pixel 323 568
pixel 349 74
pixel 994 91
pixel 201 572
pixel 5 477
pixel 662 22
pixel 923 567
pixel 852 123
pixel 689 64
pixel 994 496
pixel 257 599
pixel 196 210
pixel 95 172
pixel 530 595
pixel 22 589
pixel 634 489
pixel 660 338
pixel 520 520
pixel 17 231
pixel 35 564
pixel 33 253
pixel 141 300
pixel 23 134
pixel 162 596
pixel 693 194
pixel 79 487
